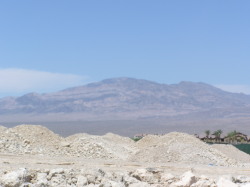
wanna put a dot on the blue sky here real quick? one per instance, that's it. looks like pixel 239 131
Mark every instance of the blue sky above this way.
pixel 49 45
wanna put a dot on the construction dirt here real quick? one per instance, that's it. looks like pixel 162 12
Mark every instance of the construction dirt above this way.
pixel 35 156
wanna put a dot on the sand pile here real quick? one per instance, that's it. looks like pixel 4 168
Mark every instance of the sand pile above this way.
pixel 172 147
pixel 11 142
pixel 181 148
pixel 35 139
pixel 232 152
pixel 109 146
pixel 39 139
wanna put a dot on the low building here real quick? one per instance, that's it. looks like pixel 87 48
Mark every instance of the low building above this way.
pixel 237 138
pixel 212 140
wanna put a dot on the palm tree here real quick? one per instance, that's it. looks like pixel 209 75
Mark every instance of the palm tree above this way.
pixel 232 136
pixel 207 132
pixel 217 134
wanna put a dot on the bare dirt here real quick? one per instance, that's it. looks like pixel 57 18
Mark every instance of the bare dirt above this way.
pixel 39 150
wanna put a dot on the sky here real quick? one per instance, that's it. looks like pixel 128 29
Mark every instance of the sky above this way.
pixel 46 46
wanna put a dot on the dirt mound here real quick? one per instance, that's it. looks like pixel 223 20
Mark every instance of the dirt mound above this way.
pixel 29 139
pixel 172 147
pixel 108 146
pixel 2 128
pixel 179 147
pixel 118 139
pixel 39 139
pixel 11 142
pixel 37 135
pixel 35 139
pixel 232 152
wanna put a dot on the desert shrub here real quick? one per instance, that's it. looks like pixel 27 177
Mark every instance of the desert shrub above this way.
pixel 136 138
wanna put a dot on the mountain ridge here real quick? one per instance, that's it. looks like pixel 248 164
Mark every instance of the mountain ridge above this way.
pixel 127 95
pixel 127 106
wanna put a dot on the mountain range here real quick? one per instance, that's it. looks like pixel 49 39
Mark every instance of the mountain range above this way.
pixel 121 99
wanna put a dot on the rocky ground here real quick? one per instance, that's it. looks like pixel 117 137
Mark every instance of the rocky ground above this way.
pixel 35 156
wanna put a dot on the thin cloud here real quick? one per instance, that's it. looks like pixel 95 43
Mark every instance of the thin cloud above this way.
pixel 20 81
pixel 235 88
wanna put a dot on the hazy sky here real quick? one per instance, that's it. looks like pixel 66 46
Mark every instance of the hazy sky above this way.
pixel 49 45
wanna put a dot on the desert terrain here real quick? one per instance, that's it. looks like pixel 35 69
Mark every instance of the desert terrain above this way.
pixel 124 93
pixel 32 155
pixel 127 106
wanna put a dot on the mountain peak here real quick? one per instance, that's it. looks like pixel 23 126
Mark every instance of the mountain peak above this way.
pixel 133 97
pixel 128 99
pixel 125 80
pixel 122 82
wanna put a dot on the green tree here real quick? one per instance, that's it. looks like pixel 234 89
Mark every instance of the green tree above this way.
pixel 207 132
pixel 217 134
pixel 232 136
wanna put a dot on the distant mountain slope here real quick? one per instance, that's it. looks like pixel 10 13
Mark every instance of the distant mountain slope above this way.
pixel 130 98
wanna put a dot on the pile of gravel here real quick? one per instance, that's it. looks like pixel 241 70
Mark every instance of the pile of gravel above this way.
pixel 172 147
pixel 181 148
pixel 35 139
